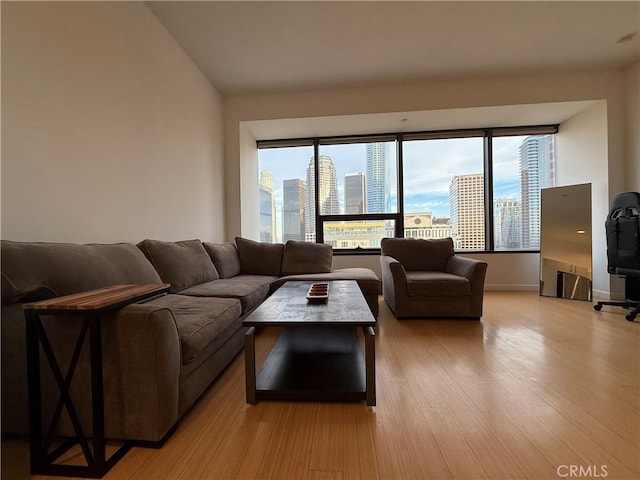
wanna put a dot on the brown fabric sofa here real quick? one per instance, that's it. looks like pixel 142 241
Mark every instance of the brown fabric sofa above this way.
pixel 425 278
pixel 161 355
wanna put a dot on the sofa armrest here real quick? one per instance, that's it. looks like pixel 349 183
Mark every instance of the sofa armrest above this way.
pixel 394 282
pixel 142 367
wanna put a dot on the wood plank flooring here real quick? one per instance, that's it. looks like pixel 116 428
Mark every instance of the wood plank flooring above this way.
pixel 539 388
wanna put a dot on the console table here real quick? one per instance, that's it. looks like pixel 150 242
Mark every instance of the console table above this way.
pixel 90 306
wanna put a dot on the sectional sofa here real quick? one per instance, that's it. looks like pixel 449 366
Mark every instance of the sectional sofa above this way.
pixel 161 355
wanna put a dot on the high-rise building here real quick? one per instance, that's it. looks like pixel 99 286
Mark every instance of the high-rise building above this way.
pixel 294 193
pixel 466 195
pixel 327 193
pixel 377 181
pixel 267 207
pixel 537 170
pixel 506 218
pixel 354 193
pixel 266 217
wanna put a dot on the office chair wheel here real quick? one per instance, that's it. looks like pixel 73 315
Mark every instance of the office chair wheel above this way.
pixel 597 307
pixel 630 316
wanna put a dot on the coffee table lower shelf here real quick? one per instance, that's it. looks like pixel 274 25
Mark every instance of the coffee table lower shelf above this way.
pixel 313 364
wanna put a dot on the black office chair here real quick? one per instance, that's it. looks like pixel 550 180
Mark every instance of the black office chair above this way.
pixel 623 249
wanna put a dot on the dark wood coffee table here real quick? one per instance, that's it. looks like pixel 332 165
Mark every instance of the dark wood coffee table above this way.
pixel 318 355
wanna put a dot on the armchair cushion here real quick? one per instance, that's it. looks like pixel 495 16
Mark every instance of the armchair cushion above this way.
pixel 437 284
pixel 418 254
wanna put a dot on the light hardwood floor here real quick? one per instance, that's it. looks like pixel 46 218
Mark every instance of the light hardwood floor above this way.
pixel 539 389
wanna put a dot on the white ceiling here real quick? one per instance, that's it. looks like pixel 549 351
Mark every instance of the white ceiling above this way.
pixel 265 47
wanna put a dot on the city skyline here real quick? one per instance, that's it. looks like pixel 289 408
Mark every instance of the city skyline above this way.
pixel 345 195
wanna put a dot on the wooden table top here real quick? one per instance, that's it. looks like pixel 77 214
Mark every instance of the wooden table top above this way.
pixel 288 307
pixel 100 298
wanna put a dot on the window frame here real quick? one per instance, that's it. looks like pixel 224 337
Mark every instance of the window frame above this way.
pixel 487 133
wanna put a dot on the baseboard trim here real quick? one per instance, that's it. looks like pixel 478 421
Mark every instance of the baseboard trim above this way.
pixel 604 295
pixel 510 286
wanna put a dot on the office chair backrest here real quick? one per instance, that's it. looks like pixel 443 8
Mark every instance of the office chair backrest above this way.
pixel 623 232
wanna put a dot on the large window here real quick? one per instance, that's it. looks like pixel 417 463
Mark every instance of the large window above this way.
pixel 443 182
pixel 285 183
pixel 358 198
pixel 522 165
pixel 479 187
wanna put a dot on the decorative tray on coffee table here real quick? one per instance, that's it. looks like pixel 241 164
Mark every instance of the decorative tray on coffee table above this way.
pixel 318 292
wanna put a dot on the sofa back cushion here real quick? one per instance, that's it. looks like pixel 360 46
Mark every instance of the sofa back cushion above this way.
pixel 34 271
pixel 259 258
pixel 225 258
pixel 416 254
pixel 183 264
pixel 306 257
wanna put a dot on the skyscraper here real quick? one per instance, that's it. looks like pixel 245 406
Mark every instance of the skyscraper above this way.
pixel 466 194
pixel 377 184
pixel 354 193
pixel 267 208
pixel 293 209
pixel 537 170
pixel 327 193
pixel 506 217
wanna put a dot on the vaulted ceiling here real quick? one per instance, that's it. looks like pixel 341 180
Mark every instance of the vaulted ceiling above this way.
pixel 265 47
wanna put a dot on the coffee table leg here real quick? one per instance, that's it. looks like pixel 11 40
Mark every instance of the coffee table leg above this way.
pixel 250 364
pixel 370 364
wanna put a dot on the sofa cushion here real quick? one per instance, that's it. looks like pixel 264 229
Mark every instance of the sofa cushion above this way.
pixel 259 258
pixel 182 264
pixel 225 258
pixel 201 320
pixel 251 290
pixel 437 284
pixel 419 254
pixel 306 257
pixel 34 271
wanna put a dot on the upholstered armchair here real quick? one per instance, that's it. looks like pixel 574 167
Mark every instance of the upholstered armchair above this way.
pixel 425 278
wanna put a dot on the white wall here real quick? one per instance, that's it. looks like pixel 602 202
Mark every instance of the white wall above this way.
pixel 581 148
pixel 249 195
pixel 632 79
pixel 109 131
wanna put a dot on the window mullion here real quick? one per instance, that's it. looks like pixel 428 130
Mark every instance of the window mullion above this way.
pixel 400 187
pixel 488 191
pixel 316 190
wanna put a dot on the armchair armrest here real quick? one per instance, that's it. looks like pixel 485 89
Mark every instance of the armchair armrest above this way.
pixel 475 271
pixel 394 282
